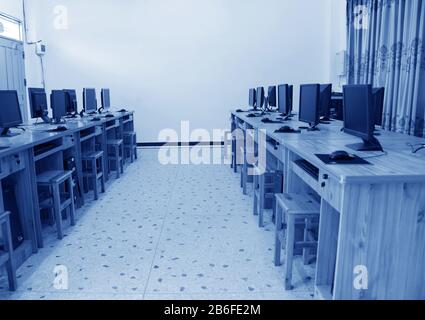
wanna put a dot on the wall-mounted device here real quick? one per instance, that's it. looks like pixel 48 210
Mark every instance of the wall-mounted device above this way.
pixel 40 49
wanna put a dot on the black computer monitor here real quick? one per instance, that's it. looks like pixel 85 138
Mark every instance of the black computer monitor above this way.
pixel 359 117
pixel 89 100
pixel 10 111
pixel 310 104
pixel 284 100
pixel 325 101
pixel 378 102
pixel 272 96
pixel 38 103
pixel 252 98
pixel 260 96
pixel 71 102
pixel 58 105
pixel 106 99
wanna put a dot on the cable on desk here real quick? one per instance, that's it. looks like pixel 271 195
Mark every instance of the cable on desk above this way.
pixel 384 153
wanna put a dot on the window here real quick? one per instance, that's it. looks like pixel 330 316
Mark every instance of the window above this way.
pixel 10 28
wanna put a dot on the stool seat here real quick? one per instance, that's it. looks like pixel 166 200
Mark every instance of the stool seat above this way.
pixel 92 155
pixel 296 204
pixel 55 176
pixel 115 142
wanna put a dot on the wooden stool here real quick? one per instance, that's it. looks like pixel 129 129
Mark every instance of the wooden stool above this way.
pixel 116 155
pixel 266 185
pixel 130 145
pixel 59 201
pixel 6 250
pixel 93 169
pixel 292 210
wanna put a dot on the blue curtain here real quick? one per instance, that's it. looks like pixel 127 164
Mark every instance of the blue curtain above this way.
pixel 386 48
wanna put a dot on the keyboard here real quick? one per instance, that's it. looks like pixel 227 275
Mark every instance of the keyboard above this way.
pixel 312 170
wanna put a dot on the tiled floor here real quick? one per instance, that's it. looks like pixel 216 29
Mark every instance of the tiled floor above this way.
pixel 164 232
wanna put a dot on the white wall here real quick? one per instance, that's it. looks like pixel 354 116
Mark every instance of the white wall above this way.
pixel 184 60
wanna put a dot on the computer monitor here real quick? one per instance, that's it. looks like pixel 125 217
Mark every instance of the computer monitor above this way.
pixel 271 97
pixel 359 117
pixel 58 105
pixel 325 101
pixel 378 102
pixel 252 98
pixel 71 102
pixel 260 97
pixel 10 111
pixel 309 105
pixel 291 97
pixel 106 99
pixel 284 101
pixel 38 103
pixel 89 100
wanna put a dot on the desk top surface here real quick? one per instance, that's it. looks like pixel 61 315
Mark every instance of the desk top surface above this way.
pixel 38 134
pixel 398 164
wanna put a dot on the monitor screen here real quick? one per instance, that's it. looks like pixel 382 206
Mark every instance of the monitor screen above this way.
pixel 260 97
pixel 358 110
pixel 283 99
pixel 10 111
pixel 106 99
pixel 252 97
pixel 71 101
pixel 38 102
pixel 58 104
pixel 89 99
pixel 309 103
pixel 271 96
pixel 325 99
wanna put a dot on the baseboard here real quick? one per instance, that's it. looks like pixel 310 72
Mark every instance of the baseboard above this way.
pixel 180 144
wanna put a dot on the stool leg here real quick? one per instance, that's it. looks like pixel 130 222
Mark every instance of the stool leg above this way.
pixel 306 251
pixel 278 230
pixel 58 213
pixel 10 265
pixel 290 238
pixel 245 178
pixel 72 209
pixel 94 173
pixel 262 194
pixel 102 178
pixel 117 160
pixel 122 159
pixel 255 184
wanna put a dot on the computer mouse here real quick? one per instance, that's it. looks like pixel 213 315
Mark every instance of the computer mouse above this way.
pixel 251 115
pixel 123 110
pixel 285 129
pixel 96 119
pixel 61 128
pixel 109 116
pixel 340 155
pixel 266 120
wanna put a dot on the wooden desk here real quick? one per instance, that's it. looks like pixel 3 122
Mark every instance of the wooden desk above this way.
pixel 36 150
pixel 371 215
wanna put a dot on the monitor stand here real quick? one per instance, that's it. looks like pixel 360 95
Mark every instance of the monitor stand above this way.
pixel 58 121
pixel 5 133
pixel 372 144
pixel 313 128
